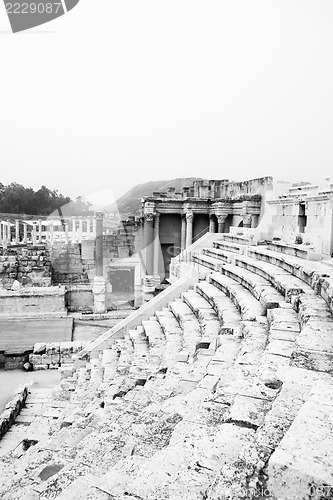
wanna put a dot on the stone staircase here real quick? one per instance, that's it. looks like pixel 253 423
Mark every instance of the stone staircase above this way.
pixel 226 392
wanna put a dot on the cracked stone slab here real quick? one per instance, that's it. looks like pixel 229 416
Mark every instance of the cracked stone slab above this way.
pixel 303 461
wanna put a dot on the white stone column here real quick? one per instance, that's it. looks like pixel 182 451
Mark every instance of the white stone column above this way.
pixel 25 233
pixel 94 227
pixel 34 234
pixel 51 233
pixel 80 230
pixel 66 234
pixel 40 231
pixel 149 243
pixel 99 291
pixel 9 232
pixel 189 228
pixel 17 231
pixel 183 233
pixel 212 223
pixel 157 250
pixel 88 228
pixel 73 229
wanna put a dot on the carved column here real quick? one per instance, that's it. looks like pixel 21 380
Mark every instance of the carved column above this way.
pixel 189 228
pixel 17 231
pixel 99 245
pixel 212 223
pixel 183 232
pixel 25 233
pixel 34 234
pixel 40 231
pixel 88 228
pixel 80 229
pixel 99 286
pixel 221 223
pixel 148 241
pixel 73 229
pixel 156 267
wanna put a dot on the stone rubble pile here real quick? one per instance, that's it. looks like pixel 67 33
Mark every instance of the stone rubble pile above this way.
pixel 53 355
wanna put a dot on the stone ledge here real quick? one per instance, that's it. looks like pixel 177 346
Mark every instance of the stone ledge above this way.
pixel 13 408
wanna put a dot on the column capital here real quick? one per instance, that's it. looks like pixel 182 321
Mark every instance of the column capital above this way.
pixel 149 217
pixel 189 216
pixel 221 218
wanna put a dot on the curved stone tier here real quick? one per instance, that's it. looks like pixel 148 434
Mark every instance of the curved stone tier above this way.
pixel 225 393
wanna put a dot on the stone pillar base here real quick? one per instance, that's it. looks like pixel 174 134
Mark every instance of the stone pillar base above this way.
pixel 157 279
pixel 148 288
pixel 99 291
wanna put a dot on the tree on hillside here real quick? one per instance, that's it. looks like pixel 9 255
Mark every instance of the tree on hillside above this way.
pixel 17 199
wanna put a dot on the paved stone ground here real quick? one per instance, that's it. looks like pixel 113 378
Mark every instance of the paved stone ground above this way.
pixel 21 335
pixel 10 380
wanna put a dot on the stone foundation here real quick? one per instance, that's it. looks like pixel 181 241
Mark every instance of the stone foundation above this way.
pixel 33 302
pixel 52 356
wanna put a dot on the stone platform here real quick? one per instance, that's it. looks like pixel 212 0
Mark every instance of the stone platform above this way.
pixel 19 336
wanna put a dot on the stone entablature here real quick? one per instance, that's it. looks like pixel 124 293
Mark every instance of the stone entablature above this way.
pixel 217 189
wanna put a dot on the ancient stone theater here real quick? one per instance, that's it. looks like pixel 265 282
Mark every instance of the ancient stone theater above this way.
pixel 220 386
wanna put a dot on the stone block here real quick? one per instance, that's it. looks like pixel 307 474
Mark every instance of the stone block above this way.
pixel 40 348
pixel 52 348
pixel 249 410
pixel 302 465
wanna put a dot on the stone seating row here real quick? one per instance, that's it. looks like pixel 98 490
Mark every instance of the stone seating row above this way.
pixel 201 414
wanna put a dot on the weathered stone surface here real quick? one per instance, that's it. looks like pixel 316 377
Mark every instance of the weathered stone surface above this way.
pixel 302 465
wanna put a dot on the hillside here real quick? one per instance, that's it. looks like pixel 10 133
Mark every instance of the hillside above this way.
pixel 130 202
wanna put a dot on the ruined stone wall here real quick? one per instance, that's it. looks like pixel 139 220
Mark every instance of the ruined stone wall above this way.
pixel 68 265
pixel 120 244
pixel 31 266
pixel 319 226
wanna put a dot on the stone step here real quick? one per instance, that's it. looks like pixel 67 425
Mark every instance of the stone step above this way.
pixel 154 333
pixel 236 238
pixel 188 322
pixel 309 272
pixel 230 246
pixel 230 319
pixel 249 307
pixel 261 289
pixel 282 281
pixel 205 260
pixel 302 464
pixel 222 255
pixel 293 386
pixel 313 347
pixel 310 308
pixel 253 345
pixel 173 335
pixel 208 320
pixel 301 251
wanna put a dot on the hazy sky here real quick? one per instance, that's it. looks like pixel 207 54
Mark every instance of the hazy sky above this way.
pixel 119 92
